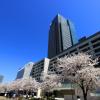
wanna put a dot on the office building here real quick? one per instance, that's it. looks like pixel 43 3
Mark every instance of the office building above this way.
pixel 39 68
pixel 25 71
pixel 90 45
pixel 62 41
pixel 61 36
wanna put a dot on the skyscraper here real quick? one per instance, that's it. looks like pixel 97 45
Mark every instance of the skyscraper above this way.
pixel 61 36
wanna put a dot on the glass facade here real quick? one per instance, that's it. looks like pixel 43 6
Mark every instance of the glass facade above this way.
pixel 20 74
pixel 73 33
pixel 61 36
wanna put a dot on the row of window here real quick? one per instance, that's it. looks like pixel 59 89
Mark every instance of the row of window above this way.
pixel 95 43
pixel 36 75
pixel 38 68
pixel 96 40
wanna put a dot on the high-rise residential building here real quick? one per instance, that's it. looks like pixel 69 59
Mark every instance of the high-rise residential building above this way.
pixel 61 36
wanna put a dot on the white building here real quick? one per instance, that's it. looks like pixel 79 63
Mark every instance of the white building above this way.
pixel 40 67
pixel 25 71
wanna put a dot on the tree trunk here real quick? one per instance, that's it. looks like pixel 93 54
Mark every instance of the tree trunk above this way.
pixel 84 95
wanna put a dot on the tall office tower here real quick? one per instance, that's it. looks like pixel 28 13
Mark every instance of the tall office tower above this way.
pixel 61 36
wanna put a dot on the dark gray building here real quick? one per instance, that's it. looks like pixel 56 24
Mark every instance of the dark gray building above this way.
pixel 90 45
pixel 61 36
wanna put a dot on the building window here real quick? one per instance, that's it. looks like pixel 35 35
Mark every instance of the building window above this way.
pixel 86 49
pixel 97 55
pixel 95 40
pixel 83 46
pixel 72 51
pixel 97 50
pixel 96 45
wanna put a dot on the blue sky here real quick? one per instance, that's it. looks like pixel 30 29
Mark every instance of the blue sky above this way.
pixel 24 26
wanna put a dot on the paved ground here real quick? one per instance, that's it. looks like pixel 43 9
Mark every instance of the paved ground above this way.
pixel 74 98
pixel 92 98
pixel 3 98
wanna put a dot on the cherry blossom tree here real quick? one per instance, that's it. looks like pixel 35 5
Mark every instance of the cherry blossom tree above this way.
pixel 29 84
pixel 49 82
pixel 15 85
pixel 3 87
pixel 80 69
pixel 25 84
